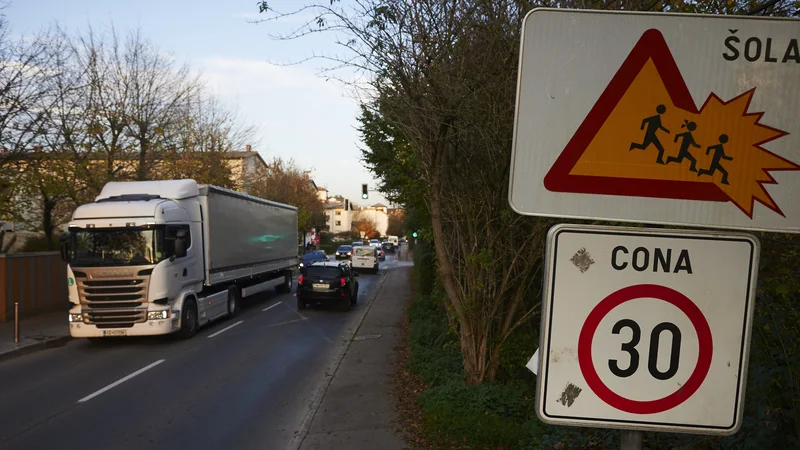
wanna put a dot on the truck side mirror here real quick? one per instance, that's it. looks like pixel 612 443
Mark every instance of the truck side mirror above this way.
pixel 65 251
pixel 180 246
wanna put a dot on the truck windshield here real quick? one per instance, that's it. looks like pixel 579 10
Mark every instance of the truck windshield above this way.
pixel 115 247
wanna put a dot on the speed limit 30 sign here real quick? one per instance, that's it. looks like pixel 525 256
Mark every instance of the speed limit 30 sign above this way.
pixel 646 329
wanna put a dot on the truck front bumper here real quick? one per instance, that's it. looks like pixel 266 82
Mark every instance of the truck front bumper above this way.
pixel 149 328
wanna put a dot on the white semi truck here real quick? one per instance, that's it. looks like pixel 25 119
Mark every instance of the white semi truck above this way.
pixel 159 257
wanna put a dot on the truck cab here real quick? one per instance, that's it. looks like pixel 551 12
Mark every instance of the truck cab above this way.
pixel 133 258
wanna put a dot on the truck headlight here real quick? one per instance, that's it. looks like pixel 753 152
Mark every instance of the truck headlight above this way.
pixel 75 318
pixel 157 315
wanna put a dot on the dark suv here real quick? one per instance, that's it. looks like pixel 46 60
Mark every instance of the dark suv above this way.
pixel 328 282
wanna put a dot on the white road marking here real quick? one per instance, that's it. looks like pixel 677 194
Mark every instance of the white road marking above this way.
pixel 296 311
pixel 120 381
pixel 284 323
pixel 271 306
pixel 225 329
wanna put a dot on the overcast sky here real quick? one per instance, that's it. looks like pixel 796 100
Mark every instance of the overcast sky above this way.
pixel 298 113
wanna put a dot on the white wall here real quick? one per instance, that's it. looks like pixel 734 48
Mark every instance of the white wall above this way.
pixel 379 216
pixel 339 220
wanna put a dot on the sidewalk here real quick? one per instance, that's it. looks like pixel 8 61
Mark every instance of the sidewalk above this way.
pixel 37 332
pixel 358 410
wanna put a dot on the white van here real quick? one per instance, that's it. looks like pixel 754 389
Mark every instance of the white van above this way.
pixel 365 257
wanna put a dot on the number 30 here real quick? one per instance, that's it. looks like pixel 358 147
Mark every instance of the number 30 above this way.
pixel 655 335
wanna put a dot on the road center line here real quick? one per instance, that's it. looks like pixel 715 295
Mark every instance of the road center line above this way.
pixel 271 306
pixel 120 381
pixel 284 323
pixel 224 329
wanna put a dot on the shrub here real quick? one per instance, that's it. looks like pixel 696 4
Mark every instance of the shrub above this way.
pixel 39 244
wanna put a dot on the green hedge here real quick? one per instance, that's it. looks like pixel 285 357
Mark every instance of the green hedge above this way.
pixel 477 416
pixel 502 414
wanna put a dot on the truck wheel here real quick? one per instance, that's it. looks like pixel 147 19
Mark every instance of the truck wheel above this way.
pixel 233 302
pixel 287 284
pixel 188 319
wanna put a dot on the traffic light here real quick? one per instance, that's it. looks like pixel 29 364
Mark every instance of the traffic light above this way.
pixel 346 204
pixel 414 234
pixel 364 193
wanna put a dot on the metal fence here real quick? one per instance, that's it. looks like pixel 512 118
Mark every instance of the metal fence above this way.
pixel 38 281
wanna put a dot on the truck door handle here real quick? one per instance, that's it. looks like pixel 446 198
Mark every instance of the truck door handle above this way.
pixel 185 272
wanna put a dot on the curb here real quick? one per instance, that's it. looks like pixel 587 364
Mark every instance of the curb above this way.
pixel 316 402
pixel 41 345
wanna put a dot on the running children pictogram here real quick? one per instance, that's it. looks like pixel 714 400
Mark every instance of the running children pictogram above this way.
pixel 646 137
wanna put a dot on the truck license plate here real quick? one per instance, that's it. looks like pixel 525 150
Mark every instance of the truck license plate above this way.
pixel 320 287
pixel 115 332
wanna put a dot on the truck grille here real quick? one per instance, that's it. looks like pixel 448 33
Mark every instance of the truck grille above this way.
pixel 110 303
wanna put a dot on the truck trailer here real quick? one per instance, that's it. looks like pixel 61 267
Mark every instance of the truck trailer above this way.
pixel 161 257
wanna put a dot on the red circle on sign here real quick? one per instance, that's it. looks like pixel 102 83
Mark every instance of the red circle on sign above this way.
pixel 632 293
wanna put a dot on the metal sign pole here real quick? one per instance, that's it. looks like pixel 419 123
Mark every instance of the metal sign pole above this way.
pixel 16 322
pixel 630 440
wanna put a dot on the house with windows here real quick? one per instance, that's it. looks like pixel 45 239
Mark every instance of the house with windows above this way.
pixel 339 215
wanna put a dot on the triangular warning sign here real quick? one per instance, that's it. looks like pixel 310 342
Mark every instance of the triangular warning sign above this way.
pixel 645 137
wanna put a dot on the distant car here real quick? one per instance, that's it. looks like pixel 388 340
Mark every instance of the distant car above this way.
pixel 344 252
pixel 389 246
pixel 381 254
pixel 313 257
pixel 332 282
pixel 374 243
pixel 357 244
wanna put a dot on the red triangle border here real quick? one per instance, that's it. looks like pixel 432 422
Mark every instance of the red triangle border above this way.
pixel 651 46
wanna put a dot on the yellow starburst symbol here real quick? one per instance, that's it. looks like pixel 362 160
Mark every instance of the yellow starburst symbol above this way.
pixel 646 137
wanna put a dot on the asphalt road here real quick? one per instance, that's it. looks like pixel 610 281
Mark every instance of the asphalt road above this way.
pixel 245 383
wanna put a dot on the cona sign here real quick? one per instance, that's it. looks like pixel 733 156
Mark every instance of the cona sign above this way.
pixel 646 328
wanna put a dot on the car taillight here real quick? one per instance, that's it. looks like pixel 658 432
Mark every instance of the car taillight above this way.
pixel 343 282
pixel 300 280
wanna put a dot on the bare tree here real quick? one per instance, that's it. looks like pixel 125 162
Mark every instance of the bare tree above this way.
pixel 156 89
pixel 443 75
pixel 25 68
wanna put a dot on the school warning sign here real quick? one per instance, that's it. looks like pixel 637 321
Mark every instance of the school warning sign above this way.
pixel 646 136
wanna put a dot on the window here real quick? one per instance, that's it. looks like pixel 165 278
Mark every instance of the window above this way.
pixel 323 272
pixel 170 235
pixel 338 223
pixel 365 251
pixel 338 213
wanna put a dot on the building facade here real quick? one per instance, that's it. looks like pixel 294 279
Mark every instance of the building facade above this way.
pixel 379 215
